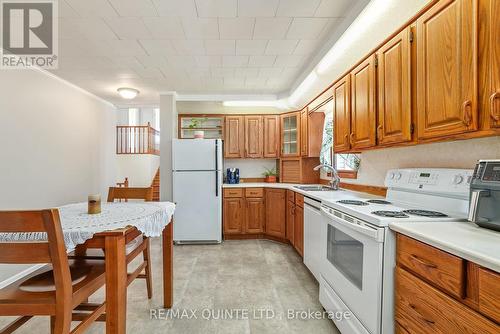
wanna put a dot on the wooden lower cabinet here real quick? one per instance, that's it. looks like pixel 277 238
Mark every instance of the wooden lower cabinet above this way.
pixel 276 213
pixel 255 215
pixel 290 220
pixel 437 292
pixel 233 215
pixel 298 234
pixel 257 212
pixel 421 308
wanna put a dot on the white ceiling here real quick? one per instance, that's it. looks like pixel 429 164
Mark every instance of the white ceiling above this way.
pixel 192 46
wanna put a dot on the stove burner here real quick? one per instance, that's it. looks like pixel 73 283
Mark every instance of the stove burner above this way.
pixel 378 201
pixel 426 213
pixel 352 202
pixel 391 214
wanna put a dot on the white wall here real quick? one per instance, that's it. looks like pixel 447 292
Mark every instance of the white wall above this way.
pixel 58 143
pixel 139 168
pixel 453 154
pixel 250 167
pixel 168 124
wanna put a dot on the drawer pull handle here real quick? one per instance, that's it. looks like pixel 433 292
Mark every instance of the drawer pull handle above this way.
pixel 493 111
pixel 425 263
pixel 466 107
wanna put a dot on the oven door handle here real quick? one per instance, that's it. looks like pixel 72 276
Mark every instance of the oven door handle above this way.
pixel 371 232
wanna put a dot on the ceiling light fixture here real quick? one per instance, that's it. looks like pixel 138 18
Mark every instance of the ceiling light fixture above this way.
pixel 128 93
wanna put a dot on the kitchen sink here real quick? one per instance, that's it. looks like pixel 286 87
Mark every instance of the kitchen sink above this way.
pixel 314 188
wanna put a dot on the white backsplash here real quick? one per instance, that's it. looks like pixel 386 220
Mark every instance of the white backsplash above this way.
pixel 453 154
pixel 250 167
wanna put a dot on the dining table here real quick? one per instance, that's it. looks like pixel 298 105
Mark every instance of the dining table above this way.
pixel 117 225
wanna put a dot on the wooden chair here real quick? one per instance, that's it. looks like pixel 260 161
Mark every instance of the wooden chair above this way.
pixel 58 290
pixel 133 250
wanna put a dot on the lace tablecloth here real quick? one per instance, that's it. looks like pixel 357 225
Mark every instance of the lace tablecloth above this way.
pixel 148 217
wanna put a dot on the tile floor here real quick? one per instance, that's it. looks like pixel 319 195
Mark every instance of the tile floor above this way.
pixel 228 279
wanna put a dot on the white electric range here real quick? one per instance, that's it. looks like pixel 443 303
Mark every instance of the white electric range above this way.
pixel 358 249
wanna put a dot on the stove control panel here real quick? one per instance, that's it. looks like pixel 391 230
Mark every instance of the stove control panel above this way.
pixel 440 180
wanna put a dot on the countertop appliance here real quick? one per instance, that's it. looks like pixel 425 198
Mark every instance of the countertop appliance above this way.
pixel 314 228
pixel 233 175
pixel 359 249
pixel 197 190
pixel 484 207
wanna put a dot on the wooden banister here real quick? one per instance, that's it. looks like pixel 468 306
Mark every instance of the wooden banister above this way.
pixel 137 139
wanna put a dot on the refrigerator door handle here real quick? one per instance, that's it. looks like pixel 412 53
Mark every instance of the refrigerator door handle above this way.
pixel 216 168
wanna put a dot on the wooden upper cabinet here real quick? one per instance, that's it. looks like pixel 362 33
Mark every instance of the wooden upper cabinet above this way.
pixel 234 143
pixel 276 213
pixel 447 69
pixel 394 90
pixel 271 124
pixel 311 133
pixel 342 114
pixel 363 111
pixel 254 137
pixel 492 82
pixel 290 134
pixel 255 215
pixel 303 132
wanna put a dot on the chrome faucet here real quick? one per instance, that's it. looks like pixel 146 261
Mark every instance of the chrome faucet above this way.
pixel 335 181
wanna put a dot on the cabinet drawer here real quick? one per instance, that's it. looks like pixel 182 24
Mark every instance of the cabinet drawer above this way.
pixel 439 268
pixel 290 196
pixel 254 192
pixel 420 308
pixel 489 294
pixel 299 200
pixel 233 192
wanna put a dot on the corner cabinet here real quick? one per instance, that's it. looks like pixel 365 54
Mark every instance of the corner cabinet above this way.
pixel 311 133
pixel 276 213
pixel 394 90
pixel 234 144
pixel 254 138
pixel 447 69
pixel 363 109
pixel 290 134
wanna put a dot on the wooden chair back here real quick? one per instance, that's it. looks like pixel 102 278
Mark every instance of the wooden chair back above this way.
pixel 52 251
pixel 118 193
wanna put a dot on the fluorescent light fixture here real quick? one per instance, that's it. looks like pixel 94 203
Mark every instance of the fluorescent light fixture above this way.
pixel 302 89
pixel 128 93
pixel 371 14
pixel 249 103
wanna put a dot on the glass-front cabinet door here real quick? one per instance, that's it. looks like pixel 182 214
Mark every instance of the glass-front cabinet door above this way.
pixel 290 134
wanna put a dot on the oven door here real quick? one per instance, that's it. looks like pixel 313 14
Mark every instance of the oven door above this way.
pixel 353 265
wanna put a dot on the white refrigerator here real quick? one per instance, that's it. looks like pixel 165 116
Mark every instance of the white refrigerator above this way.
pixel 197 190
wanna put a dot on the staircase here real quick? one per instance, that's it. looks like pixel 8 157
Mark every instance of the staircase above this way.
pixel 156 186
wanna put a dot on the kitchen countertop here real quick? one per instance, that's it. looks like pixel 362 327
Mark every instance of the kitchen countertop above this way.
pixel 463 239
pixel 323 196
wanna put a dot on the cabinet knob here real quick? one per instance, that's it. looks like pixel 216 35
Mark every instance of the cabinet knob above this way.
pixel 379 131
pixel 493 110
